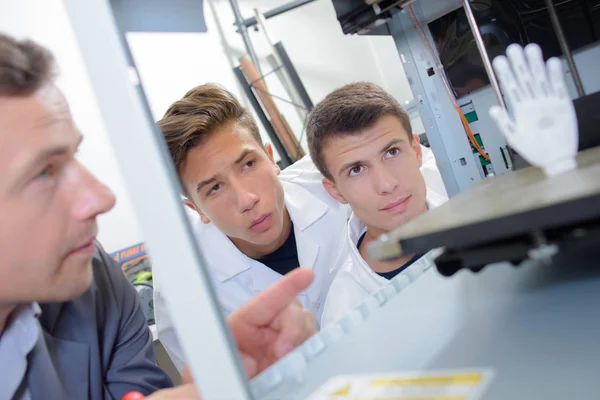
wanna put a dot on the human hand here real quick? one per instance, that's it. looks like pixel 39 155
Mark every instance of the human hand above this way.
pixel 544 126
pixel 265 329
pixel 273 323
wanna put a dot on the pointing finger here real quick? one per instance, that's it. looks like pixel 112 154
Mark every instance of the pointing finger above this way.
pixel 263 308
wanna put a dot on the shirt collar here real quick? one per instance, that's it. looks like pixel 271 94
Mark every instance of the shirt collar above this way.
pixel 304 208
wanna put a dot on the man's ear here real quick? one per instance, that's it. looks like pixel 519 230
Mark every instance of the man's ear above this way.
pixel 269 150
pixel 333 191
pixel 203 217
pixel 416 145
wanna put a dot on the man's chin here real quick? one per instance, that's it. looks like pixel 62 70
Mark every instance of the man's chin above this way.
pixel 76 283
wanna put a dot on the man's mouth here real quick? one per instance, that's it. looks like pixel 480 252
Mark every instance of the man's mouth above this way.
pixel 85 248
pixel 262 223
pixel 397 206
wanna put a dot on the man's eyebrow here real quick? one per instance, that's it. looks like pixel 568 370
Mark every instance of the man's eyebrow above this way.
pixel 243 155
pixel 391 144
pixel 205 182
pixel 59 117
pixel 53 151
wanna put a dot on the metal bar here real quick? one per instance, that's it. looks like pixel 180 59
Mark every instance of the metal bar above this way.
pixel 153 185
pixel 250 22
pixel 285 157
pixel 282 75
pixel 564 46
pixel 244 32
pixel 287 62
pixel 483 52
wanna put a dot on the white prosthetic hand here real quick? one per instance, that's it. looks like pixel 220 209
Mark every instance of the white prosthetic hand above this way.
pixel 544 127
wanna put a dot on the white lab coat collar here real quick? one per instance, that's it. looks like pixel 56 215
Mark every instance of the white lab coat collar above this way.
pixel 356 227
pixel 302 217
pixel 364 275
pixel 234 262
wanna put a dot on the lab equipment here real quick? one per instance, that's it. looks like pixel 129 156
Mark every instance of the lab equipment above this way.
pixel 444 47
pixel 535 327
pixel 529 325
pixel 513 217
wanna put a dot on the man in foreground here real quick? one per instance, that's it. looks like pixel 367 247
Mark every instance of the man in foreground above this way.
pixel 361 140
pixel 70 323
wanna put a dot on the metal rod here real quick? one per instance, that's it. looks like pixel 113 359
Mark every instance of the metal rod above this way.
pixel 250 22
pixel 483 52
pixel 244 32
pixel 564 46
pixel 282 75
pixel 293 74
pixel 286 160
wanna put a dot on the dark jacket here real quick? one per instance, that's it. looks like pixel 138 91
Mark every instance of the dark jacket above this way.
pixel 97 346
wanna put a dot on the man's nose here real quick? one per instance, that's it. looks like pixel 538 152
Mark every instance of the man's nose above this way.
pixel 246 198
pixel 383 180
pixel 94 197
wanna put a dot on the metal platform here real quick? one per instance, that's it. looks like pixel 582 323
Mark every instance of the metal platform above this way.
pixel 536 326
pixel 501 208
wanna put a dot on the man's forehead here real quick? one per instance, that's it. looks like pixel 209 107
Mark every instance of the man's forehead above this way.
pixel 30 114
pixel 216 153
pixel 363 142
pixel 30 125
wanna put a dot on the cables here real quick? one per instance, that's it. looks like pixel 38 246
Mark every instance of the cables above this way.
pixel 440 72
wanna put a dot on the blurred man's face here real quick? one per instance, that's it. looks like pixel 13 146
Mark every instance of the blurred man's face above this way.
pixel 48 201
pixel 232 182
pixel 376 171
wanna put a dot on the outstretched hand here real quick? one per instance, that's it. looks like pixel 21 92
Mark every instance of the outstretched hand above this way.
pixel 265 329
pixel 543 128
pixel 273 323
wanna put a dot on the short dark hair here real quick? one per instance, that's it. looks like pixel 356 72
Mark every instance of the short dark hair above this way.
pixel 25 67
pixel 203 110
pixel 349 110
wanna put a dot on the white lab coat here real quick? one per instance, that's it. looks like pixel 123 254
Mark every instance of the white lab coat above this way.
pixel 355 279
pixel 319 223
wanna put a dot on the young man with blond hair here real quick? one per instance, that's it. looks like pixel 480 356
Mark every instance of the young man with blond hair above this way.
pixel 253 222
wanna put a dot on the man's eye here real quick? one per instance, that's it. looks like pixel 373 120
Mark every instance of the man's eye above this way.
pixel 249 163
pixel 47 172
pixel 356 170
pixel 393 152
pixel 214 189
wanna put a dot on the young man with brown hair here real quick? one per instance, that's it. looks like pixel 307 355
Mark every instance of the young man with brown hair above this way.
pixel 361 140
pixel 70 323
pixel 253 222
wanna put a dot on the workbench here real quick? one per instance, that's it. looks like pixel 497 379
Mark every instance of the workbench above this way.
pixel 537 327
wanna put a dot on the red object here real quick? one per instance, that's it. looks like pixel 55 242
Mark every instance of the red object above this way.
pixel 133 396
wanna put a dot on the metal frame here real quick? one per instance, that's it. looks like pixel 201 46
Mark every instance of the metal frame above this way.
pixel 244 32
pixel 483 52
pixel 286 159
pixel 195 309
pixel 293 85
pixel 275 62
pixel 443 126
pixel 564 46
pixel 292 5
pixel 289 66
